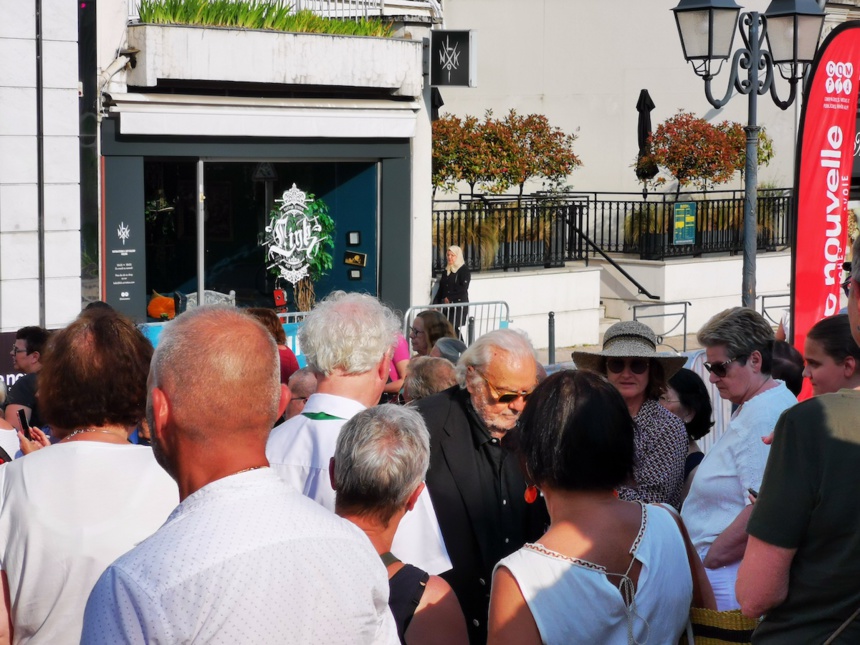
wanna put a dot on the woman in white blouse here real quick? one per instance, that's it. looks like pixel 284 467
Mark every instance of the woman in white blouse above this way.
pixel 738 345
pixel 607 570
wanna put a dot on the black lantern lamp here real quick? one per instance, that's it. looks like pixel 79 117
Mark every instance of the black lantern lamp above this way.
pixel 707 30
pixel 792 29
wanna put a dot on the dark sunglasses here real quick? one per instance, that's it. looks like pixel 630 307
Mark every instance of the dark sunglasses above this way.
pixel 846 287
pixel 637 365
pixel 720 369
pixel 505 396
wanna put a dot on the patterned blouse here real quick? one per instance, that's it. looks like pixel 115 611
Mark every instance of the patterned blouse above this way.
pixel 661 449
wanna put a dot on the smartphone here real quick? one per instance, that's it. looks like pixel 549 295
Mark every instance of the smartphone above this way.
pixel 25 425
pixel 753 492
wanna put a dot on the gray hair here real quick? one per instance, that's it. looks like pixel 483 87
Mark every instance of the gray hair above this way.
pixel 450 348
pixel 382 455
pixel 428 375
pixel 349 332
pixel 480 353
pixel 212 356
pixel 741 331
pixel 303 382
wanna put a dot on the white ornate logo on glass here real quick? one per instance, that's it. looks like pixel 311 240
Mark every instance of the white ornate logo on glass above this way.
pixel 291 236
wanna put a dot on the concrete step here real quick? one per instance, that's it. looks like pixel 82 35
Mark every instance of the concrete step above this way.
pixel 606 323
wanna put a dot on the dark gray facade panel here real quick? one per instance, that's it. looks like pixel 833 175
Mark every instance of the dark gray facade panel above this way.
pixel 124 259
pixel 395 234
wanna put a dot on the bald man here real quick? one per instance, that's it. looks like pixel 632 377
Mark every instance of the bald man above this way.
pixel 240 536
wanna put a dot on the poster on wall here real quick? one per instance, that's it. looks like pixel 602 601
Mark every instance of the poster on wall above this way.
pixel 825 154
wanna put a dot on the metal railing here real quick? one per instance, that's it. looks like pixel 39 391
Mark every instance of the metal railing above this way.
pixel 346 9
pixel 509 232
pixel 479 317
pixel 681 316
pixel 783 302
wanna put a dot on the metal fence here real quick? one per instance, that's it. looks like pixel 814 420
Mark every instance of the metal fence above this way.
pixel 480 317
pixel 510 232
pixel 345 9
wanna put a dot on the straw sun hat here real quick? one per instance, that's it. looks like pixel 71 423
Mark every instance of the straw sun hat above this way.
pixel 629 339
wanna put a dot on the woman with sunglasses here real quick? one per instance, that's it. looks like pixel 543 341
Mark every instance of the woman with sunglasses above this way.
pixel 738 344
pixel 631 362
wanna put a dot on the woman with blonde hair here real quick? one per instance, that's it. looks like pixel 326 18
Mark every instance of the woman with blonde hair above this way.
pixel 454 287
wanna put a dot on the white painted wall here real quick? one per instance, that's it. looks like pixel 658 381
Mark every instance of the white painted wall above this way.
pixel 711 284
pixel 19 268
pixel 582 64
pixel 572 293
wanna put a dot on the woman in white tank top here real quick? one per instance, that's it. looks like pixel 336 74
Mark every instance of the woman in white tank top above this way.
pixel 606 571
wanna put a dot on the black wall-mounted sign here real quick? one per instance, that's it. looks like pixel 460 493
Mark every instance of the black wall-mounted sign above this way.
pixel 453 58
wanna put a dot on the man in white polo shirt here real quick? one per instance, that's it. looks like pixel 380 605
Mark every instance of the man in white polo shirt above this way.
pixel 244 558
pixel 348 340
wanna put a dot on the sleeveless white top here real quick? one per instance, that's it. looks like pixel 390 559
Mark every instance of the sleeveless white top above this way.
pixel 573 600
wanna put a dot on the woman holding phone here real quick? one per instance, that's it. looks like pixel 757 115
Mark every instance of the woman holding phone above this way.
pixel 70 509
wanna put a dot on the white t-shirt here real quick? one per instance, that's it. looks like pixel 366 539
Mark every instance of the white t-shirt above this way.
pixel 10 443
pixel 245 559
pixel 67 512
pixel 573 600
pixel 300 449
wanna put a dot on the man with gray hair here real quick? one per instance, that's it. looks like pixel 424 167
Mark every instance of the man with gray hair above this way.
pixel 378 474
pixel 476 486
pixel 302 384
pixel 240 536
pixel 348 340
pixel 428 375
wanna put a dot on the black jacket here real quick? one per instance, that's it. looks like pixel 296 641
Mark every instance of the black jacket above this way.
pixel 457 499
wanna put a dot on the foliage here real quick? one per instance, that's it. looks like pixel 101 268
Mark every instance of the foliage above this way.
pixel 737 138
pixel 274 15
pixel 460 152
pixel 695 152
pixel 527 146
pixel 500 153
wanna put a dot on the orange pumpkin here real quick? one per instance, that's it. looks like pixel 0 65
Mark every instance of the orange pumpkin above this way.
pixel 161 307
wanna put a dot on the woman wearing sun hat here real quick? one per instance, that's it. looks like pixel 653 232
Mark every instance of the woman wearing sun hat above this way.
pixel 631 362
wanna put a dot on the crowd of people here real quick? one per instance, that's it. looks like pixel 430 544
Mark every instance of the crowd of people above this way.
pixel 210 490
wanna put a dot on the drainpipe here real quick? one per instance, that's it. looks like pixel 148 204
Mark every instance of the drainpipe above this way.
pixel 40 164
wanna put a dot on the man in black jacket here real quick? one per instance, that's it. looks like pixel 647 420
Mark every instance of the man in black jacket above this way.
pixel 476 486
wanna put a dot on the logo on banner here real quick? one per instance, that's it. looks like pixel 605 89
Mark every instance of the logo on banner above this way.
pixel 839 75
pixel 292 236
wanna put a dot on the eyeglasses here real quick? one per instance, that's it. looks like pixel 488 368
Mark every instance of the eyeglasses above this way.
pixel 415 332
pixel 846 287
pixel 720 368
pixel 637 365
pixel 505 396
pixel 17 350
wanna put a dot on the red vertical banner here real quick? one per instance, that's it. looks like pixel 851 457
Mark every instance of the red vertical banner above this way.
pixel 825 153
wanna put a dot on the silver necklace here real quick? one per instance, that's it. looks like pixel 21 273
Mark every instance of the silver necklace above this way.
pixel 83 430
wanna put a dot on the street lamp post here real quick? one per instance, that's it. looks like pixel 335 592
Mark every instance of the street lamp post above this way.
pixel 792 29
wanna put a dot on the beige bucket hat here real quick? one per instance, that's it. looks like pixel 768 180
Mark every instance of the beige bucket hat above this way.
pixel 629 339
